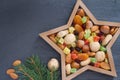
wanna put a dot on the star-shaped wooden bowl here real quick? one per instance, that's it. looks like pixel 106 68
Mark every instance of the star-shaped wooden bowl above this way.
pixel 49 37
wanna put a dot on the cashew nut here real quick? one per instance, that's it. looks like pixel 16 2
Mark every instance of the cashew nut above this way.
pixel 107 39
pixel 86 62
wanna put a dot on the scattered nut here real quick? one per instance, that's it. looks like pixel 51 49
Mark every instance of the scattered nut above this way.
pixel 13 76
pixel 10 71
pixel 16 62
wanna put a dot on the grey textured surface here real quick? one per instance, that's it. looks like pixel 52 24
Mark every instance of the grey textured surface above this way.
pixel 22 20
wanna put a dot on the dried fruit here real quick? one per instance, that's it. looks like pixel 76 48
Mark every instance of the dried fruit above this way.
pixel 77 20
pixel 83 56
pixel 87 33
pixel 102 48
pixel 73 70
pixel 74 56
pixel 93 60
pixel 75 65
pixel 66 50
pixel 84 19
pixel 68 59
pixel 91 54
pixel 78 28
pixel 96 38
pixel 113 31
pixel 10 71
pixel 105 65
pixel 16 62
pixel 97 64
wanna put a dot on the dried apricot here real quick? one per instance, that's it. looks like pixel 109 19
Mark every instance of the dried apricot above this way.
pixel 77 20
pixel 83 56
pixel 105 65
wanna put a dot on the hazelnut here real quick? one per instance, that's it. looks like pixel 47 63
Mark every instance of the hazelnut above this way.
pixel 105 29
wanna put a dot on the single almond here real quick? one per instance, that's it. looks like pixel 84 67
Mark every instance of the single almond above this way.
pixel 10 71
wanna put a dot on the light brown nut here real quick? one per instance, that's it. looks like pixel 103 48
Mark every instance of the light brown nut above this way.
pixel 52 37
pixel 10 71
pixel 16 62
pixel 80 43
pixel 113 31
pixel 68 59
pixel 61 46
pixel 75 65
pixel 105 29
pixel 94 28
pixel 81 12
pixel 81 35
pixel 14 76
pixel 85 48
pixel 89 24
pixel 78 28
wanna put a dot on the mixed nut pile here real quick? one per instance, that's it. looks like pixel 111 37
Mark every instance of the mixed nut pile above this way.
pixel 84 43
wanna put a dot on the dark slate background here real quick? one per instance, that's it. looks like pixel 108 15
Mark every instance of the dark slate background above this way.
pixel 22 20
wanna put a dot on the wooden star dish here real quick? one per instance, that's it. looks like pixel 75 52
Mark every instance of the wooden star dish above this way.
pixel 98 62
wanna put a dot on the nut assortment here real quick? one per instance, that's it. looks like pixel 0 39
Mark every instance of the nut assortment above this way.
pixel 84 43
